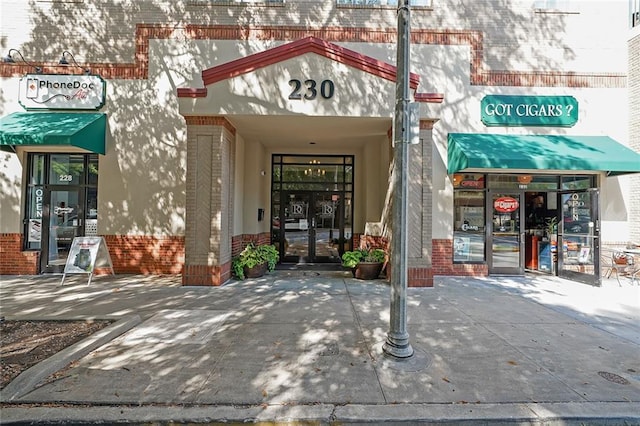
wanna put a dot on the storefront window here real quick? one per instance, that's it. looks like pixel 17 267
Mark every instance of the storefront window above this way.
pixel 37 174
pixel 578 182
pixel 468 181
pixel 469 226
pixel 523 181
pixel 66 169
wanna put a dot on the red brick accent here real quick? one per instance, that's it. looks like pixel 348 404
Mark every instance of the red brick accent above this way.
pixel 363 241
pixel 207 120
pixel 15 261
pixel 420 277
pixel 442 262
pixel 239 242
pixel 300 47
pixel 429 98
pixel 427 124
pixel 142 254
pixel 205 275
pixel 192 92
pixel 474 38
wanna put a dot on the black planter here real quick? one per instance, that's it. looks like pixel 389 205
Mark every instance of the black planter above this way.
pixel 367 270
pixel 257 271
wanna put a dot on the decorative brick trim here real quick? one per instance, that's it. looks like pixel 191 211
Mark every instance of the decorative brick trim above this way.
pixel 206 275
pixel 427 124
pixel 15 261
pixel 207 120
pixel 473 38
pixel 192 92
pixel 431 98
pixel 142 254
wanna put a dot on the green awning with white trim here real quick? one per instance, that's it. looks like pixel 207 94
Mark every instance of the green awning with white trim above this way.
pixel 82 130
pixel 540 152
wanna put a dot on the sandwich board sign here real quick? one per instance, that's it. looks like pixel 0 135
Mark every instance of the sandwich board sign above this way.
pixel 86 254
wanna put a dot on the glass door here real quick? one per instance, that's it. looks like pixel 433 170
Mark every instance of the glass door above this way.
pixel 63 220
pixel 578 236
pixel 505 233
pixel 310 224
pixel 312 207
pixel 327 227
pixel 293 222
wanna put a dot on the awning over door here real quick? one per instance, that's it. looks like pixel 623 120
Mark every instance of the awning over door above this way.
pixel 83 130
pixel 540 152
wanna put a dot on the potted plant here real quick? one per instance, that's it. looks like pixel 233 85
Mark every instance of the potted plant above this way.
pixel 255 260
pixel 365 264
pixel 551 227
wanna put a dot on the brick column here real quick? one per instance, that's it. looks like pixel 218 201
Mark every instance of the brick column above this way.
pixel 210 148
pixel 420 216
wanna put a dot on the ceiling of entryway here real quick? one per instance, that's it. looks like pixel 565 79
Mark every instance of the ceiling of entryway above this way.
pixel 299 131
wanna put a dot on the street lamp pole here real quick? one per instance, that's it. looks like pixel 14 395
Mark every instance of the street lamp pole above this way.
pixel 397 345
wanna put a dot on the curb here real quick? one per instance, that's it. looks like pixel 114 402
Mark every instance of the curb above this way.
pixel 538 414
pixel 29 379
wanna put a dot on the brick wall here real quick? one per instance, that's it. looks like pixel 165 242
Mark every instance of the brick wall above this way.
pixel 129 255
pixel 15 261
pixel 239 242
pixel 141 254
pixel 442 261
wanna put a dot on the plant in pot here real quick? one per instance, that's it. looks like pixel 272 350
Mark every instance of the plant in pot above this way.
pixel 366 263
pixel 551 226
pixel 255 260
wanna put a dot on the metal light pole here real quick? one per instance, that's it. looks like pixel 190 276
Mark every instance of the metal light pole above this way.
pixel 397 345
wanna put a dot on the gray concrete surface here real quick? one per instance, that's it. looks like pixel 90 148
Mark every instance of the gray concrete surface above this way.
pixel 306 347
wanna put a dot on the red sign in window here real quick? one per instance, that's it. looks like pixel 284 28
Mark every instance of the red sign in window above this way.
pixel 506 204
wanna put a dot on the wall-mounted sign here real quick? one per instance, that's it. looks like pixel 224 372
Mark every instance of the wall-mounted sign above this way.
pixel 552 111
pixel 506 205
pixel 56 91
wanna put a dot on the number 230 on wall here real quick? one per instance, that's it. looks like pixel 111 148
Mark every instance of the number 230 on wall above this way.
pixel 311 89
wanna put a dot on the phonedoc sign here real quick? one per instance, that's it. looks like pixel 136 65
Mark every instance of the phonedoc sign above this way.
pixel 507 110
pixel 56 91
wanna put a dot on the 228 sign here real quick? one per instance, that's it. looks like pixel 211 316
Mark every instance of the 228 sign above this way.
pixel 310 89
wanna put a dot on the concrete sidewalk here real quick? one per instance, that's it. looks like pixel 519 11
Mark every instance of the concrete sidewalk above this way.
pixel 306 347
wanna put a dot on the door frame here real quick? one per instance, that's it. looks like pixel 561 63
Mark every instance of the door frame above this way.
pixel 519 195
pixel 46 245
pixel 594 210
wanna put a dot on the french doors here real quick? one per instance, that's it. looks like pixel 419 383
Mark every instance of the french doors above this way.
pixel 310 227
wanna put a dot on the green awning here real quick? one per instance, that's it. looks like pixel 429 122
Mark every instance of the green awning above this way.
pixel 540 152
pixel 84 130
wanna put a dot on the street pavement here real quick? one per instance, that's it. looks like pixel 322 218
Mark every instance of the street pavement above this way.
pixel 304 347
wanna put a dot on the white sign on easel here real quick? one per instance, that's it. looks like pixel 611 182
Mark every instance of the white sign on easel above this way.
pixel 86 254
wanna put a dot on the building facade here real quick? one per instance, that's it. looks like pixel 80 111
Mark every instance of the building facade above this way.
pixel 180 131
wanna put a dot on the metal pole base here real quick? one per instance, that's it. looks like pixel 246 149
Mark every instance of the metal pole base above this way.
pixel 418 361
pixel 397 348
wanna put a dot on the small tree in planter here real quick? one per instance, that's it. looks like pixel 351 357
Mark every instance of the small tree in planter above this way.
pixel 365 264
pixel 254 261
